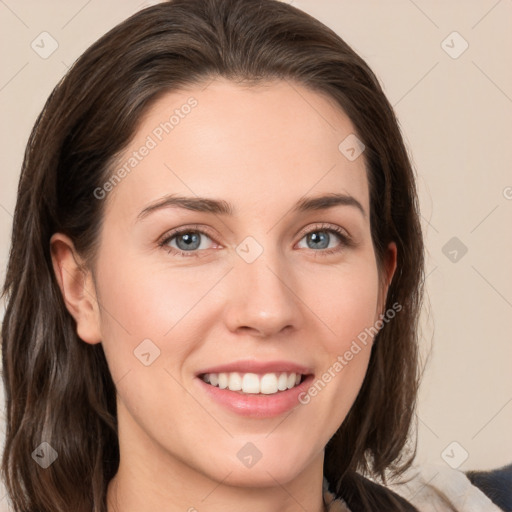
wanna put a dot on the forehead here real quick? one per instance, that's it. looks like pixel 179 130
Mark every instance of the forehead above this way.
pixel 260 145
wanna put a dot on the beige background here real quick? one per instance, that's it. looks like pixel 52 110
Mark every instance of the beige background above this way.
pixel 456 114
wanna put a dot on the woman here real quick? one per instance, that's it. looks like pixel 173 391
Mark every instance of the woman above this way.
pixel 215 276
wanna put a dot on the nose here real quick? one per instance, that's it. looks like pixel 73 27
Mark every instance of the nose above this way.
pixel 260 297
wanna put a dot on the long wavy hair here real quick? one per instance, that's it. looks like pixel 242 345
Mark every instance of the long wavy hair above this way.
pixel 58 389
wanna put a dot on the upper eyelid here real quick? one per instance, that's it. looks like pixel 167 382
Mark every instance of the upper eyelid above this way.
pixel 322 226
pixel 186 229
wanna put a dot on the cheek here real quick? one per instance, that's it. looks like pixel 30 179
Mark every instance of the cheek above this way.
pixel 141 301
pixel 346 302
pixel 348 307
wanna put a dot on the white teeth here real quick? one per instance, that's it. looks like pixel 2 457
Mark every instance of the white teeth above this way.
pixel 268 384
pixel 235 381
pixel 252 383
pixel 282 382
pixel 223 380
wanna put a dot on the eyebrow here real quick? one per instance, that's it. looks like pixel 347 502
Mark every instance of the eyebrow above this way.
pixel 328 201
pixel 221 207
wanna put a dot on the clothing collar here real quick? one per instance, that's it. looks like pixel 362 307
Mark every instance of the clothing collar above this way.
pixel 332 503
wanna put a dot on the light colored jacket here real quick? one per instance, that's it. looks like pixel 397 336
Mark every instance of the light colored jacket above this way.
pixel 430 488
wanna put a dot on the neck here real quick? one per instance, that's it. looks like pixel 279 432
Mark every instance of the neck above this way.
pixel 145 485
pixel 152 478
pixel 128 492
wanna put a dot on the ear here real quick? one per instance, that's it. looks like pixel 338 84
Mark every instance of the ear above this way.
pixel 388 271
pixel 77 288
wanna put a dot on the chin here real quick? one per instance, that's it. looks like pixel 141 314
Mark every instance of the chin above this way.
pixel 262 476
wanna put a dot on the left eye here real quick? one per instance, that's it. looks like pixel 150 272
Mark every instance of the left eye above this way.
pixel 321 239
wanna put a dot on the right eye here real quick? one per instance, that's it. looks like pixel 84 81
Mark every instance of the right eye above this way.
pixel 186 242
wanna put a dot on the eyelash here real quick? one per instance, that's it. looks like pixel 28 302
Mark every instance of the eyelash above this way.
pixel 345 240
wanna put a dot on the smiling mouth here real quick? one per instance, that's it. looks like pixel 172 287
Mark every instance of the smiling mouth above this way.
pixel 253 383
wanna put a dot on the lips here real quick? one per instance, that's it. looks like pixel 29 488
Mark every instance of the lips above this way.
pixel 258 367
pixel 258 389
pixel 255 376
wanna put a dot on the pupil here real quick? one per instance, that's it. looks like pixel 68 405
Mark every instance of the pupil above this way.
pixel 189 241
pixel 320 240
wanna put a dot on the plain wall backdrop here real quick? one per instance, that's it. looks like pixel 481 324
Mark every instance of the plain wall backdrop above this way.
pixel 445 67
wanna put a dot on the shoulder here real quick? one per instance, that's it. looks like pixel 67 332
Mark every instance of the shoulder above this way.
pixel 496 484
pixel 438 487
pixel 425 488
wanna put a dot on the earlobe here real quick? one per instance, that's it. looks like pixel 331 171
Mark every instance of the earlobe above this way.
pixel 389 268
pixel 77 288
pixel 391 262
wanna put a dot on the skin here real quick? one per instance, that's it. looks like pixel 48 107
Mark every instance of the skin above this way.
pixel 261 148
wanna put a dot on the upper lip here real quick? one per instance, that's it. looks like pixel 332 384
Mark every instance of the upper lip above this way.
pixel 262 367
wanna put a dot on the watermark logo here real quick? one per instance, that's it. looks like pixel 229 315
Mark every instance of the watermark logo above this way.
pixel 454 455
pixel 44 45
pixel 249 455
pixel 152 140
pixel 454 249
pixel 45 455
pixel 363 337
pixel 249 249
pixel 351 147
pixel 146 352
pixel 454 45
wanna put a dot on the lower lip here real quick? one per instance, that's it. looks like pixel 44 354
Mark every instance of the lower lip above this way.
pixel 257 405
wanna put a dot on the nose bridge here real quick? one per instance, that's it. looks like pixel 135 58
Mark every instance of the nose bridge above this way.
pixel 261 296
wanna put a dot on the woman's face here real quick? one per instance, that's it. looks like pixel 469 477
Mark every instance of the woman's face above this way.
pixel 264 273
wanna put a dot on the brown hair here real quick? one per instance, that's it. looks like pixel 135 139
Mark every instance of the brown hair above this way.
pixel 59 389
